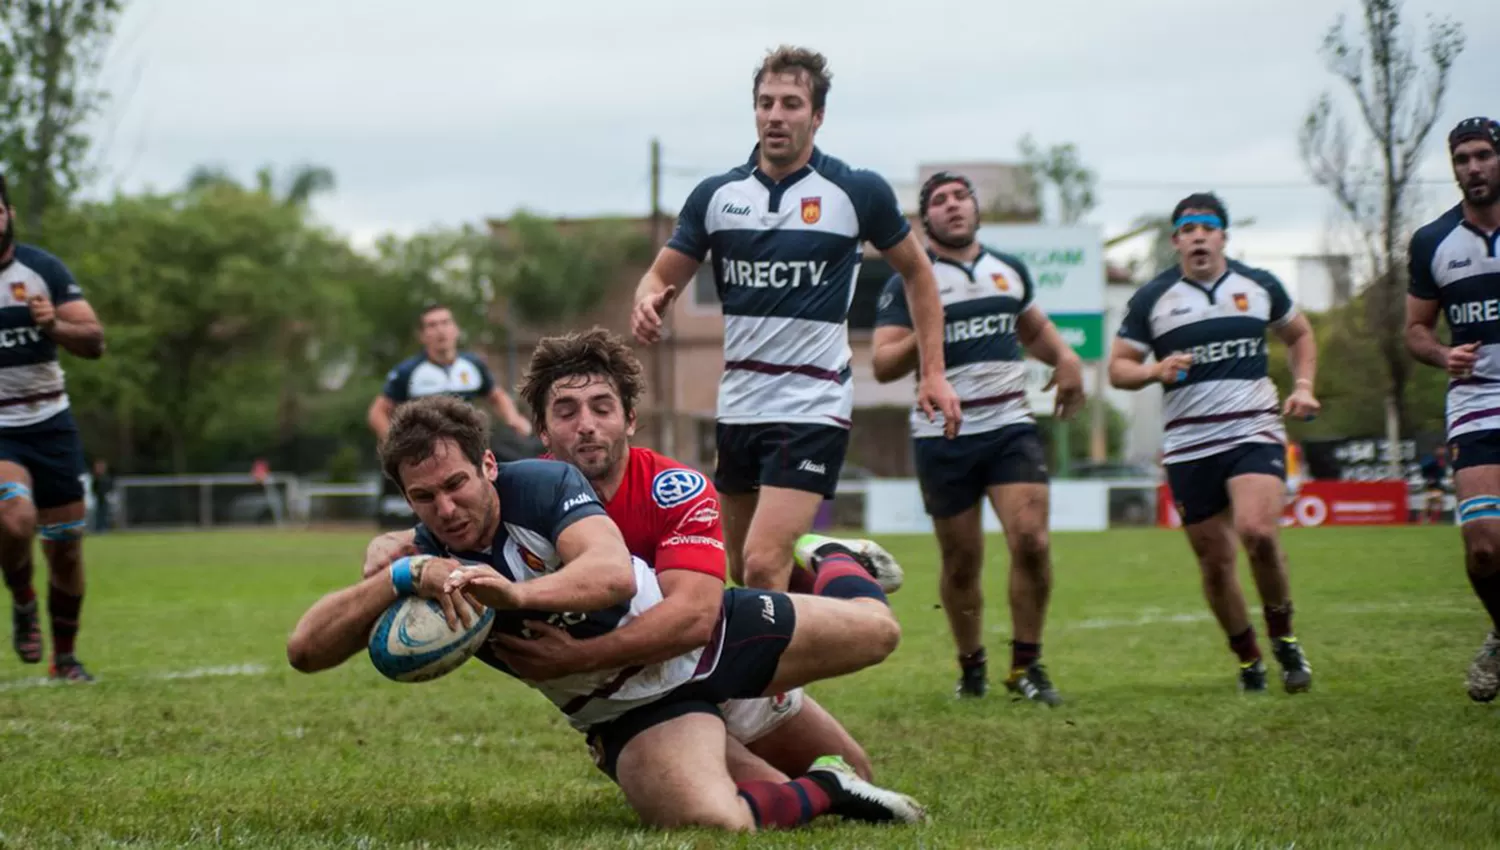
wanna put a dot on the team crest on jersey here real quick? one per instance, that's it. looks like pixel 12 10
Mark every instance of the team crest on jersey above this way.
pixel 533 561
pixel 1241 301
pixel 1001 283
pixel 672 487
pixel 18 290
pixel 812 210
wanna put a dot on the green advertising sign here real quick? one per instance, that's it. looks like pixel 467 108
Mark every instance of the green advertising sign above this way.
pixel 1083 331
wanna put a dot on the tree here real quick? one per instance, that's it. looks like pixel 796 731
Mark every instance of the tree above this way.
pixel 547 275
pixel 1061 168
pixel 1398 103
pixel 49 52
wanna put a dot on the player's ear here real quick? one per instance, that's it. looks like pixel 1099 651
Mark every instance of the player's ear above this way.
pixel 630 424
pixel 490 466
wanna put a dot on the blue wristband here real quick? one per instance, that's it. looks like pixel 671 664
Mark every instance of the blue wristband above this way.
pixel 401 577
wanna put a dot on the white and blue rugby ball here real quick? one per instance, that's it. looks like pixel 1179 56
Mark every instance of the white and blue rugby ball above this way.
pixel 411 642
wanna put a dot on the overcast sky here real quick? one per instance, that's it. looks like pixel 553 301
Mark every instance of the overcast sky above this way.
pixel 454 110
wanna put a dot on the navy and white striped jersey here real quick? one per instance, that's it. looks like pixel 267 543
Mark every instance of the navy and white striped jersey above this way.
pixel 1227 399
pixel 1455 263
pixel 982 353
pixel 539 499
pixel 785 259
pixel 466 377
pixel 31 380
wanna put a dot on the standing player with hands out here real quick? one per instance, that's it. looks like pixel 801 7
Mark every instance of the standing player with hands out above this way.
pixel 1206 320
pixel 1455 270
pixel 786 231
pixel 992 320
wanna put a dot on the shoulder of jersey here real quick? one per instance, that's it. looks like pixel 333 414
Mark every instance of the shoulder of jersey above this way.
pixel 39 260
pixel 1440 226
pixel 1011 260
pixel 1258 275
pixel 672 482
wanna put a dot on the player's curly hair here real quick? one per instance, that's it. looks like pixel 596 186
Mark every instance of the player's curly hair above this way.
pixel 581 354
pixel 418 425
pixel 801 61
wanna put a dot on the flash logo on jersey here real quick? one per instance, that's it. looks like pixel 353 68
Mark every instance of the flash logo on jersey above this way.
pixel 672 487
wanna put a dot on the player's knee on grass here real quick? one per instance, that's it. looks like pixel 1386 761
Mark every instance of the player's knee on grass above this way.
pixel 674 774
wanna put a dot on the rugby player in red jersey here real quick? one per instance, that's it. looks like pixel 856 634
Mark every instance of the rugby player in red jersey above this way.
pixel 582 389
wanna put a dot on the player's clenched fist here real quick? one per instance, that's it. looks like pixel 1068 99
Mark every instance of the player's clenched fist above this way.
pixel 1173 369
pixel 42 311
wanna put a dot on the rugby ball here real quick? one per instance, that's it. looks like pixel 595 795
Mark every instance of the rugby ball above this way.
pixel 411 642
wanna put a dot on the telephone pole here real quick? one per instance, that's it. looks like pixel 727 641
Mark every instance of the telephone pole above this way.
pixel 666 390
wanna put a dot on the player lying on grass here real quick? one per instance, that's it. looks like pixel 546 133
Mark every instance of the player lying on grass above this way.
pixel 531 541
pixel 583 389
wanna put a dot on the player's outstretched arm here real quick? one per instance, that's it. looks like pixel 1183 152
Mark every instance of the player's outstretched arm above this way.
pixel 338 625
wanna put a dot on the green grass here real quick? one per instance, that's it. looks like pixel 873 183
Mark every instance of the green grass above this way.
pixel 1154 748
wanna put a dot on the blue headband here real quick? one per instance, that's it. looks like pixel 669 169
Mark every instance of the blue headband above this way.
pixel 1211 220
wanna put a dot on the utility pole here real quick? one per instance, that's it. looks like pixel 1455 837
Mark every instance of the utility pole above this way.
pixel 666 390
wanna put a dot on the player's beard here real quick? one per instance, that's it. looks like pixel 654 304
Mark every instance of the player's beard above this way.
pixel 1491 197
pixel 598 465
pixel 950 243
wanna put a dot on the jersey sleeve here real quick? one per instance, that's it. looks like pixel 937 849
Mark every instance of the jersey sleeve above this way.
pixel 61 286
pixel 546 496
pixel 691 235
pixel 486 377
pixel 1135 327
pixel 880 220
pixel 1419 269
pixel 1283 308
pixel 1028 284
pixel 691 536
pixel 892 310
pixel 396 384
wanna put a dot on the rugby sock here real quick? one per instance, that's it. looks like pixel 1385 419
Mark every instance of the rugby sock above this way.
pixel 63 608
pixel 1279 620
pixel 1487 588
pixel 1023 655
pixel 842 577
pixel 1244 645
pixel 784 805
pixel 801 581
pixel 18 580
pixel 973 659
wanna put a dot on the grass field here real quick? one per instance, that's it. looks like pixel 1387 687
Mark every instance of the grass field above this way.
pixel 198 733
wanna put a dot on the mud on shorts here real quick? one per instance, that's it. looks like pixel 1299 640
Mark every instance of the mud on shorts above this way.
pixel 757 627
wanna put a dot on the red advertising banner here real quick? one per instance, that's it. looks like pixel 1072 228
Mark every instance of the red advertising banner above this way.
pixel 1323 503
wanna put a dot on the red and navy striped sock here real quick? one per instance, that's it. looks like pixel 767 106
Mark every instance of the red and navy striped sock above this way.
pixel 842 577
pixel 785 805
pixel 63 607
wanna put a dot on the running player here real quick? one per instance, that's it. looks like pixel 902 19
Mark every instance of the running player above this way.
pixel 440 368
pixel 530 541
pixel 583 389
pixel 990 316
pixel 1205 320
pixel 1455 269
pixel 41 453
pixel 787 230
